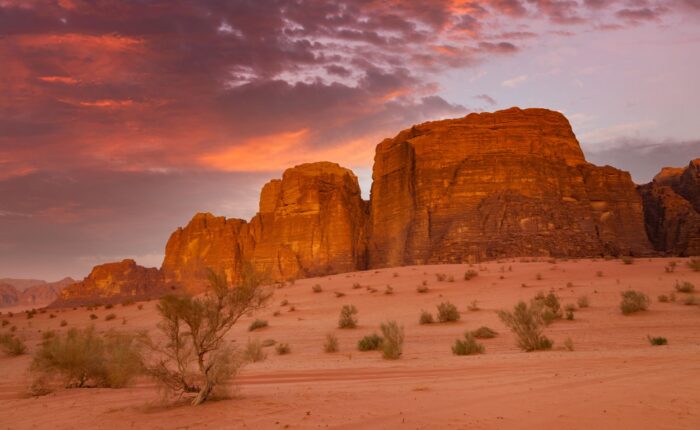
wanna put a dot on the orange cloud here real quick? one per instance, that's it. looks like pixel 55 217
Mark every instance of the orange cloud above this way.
pixel 58 79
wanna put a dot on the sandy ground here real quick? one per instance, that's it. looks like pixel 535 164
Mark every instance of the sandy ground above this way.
pixel 613 379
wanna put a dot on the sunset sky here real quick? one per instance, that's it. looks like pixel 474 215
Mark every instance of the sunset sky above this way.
pixel 121 119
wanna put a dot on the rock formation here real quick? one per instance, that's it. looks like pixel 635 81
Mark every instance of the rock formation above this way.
pixel 310 222
pixel 113 282
pixel 672 210
pixel 9 296
pixel 31 292
pixel 509 183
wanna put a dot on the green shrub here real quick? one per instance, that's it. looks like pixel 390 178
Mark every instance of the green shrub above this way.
pixel 656 341
pixel 447 312
pixel 392 343
pixel 12 345
pixel 283 348
pixel 83 358
pixel 684 287
pixel 254 351
pixel 467 346
pixel 331 343
pixel 257 324
pixel 527 324
pixel 348 317
pixel 484 332
pixel 633 301
pixel 470 274
pixel 316 288
pixel 426 318
pixel 582 302
pixel 370 342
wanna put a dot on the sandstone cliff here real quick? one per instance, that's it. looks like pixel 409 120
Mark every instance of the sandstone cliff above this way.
pixel 310 222
pixel 672 210
pixel 30 292
pixel 491 185
pixel 113 282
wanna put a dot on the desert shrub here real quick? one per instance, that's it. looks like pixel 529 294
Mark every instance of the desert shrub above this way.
pixel 694 264
pixel 392 344
pixel 570 307
pixel 254 351
pixel 484 332
pixel 331 343
pixel 690 301
pixel 450 278
pixel 396 275
pixel 470 274
pixel 339 294
pixel 268 342
pixel 356 286
pixel 316 288
pixel 633 301
pixel 527 324
pixel 5 322
pixel 426 318
pixel 370 342
pixel 422 289
pixel 663 298
pixel 473 306
pixel 257 324
pixel 389 290
pixel 52 316
pixel 447 312
pixel 548 306
pixel 348 318
pixel 139 306
pixel 12 345
pixel 627 259
pixel 109 306
pixel 685 287
pixel 283 348
pixel 467 346
pixel 110 317
pixel 284 302
pixel 670 267
pixel 538 276
pixel 195 357
pixel 441 277
pixel 568 344
pixel 672 297
pixel 582 302
pixel 569 314
pixel 599 274
pixel 83 358
pixel 93 317
pixel 656 341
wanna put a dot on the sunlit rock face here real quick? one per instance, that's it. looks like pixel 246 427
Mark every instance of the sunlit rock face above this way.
pixel 491 185
pixel 114 282
pixel 672 210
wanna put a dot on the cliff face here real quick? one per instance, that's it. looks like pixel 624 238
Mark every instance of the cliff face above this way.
pixel 113 282
pixel 310 222
pixel 509 183
pixel 31 292
pixel 672 210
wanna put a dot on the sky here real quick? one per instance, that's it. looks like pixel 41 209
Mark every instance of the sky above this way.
pixel 119 120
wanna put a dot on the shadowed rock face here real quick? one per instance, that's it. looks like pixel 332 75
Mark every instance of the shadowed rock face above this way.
pixel 672 210
pixel 311 222
pixel 113 282
pixel 490 185
pixel 31 292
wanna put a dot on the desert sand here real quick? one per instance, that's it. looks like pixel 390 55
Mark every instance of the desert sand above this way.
pixel 614 379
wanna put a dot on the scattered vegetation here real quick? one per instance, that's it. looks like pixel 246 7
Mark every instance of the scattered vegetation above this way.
pixel 356 286
pixel 470 274
pixel 568 344
pixel 331 343
pixel 12 345
pixel 527 324
pixel 370 342
pixel 670 267
pixel 257 324
pixel 484 332
pixel 626 259
pixel 348 318
pixel 633 301
pixel 389 290
pixel 316 288
pixel 426 318
pixel 548 306
pixel 110 317
pixel 690 301
pixel 694 264
pixel 663 298
pixel 447 312
pixel 93 316
pixel 339 294
pixel 657 341
pixel 599 274
pixel 392 344
pixel 254 351
pixel 582 302
pixel 467 346
pixel 473 306
pixel 283 348
pixel 441 277
pixel 684 287
pixel 195 357
pixel 422 289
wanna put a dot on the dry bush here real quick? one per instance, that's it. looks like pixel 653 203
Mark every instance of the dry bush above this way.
pixel 283 348
pixel 254 352
pixel 83 358
pixel 548 306
pixel 582 302
pixel 473 306
pixel 527 324
pixel 347 317
pixel 316 288
pixel 470 274
pixel 568 344
pixel 663 298
pixel 426 318
pixel 633 301
pixel 656 341
pixel 670 267
pixel 467 346
pixel 484 332
pixel 447 312
pixel 694 264
pixel 194 357
pixel 422 289
pixel 685 287
pixel 370 342
pixel 257 324
pixel 392 344
pixel 627 259
pixel 110 317
pixel 389 290
pixel 331 343
pixel 12 345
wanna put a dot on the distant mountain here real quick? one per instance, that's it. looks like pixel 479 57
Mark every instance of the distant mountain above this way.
pixel 31 292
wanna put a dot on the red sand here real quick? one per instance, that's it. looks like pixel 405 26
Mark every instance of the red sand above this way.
pixel 613 379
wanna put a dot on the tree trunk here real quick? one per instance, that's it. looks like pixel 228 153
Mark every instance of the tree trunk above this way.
pixel 203 394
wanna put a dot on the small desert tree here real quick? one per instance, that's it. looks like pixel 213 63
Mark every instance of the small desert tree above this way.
pixel 527 324
pixel 194 358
